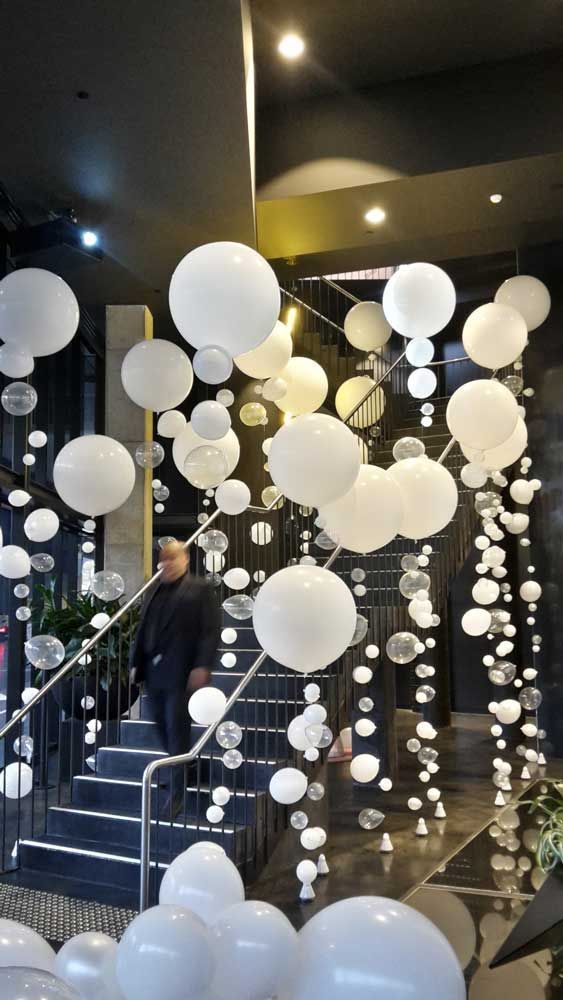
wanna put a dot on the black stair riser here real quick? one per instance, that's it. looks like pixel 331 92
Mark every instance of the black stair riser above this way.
pixel 131 764
pixel 255 742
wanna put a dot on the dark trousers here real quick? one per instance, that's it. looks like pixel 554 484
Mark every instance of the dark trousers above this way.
pixel 169 710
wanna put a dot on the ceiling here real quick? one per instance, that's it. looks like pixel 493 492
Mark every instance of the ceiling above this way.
pixel 362 43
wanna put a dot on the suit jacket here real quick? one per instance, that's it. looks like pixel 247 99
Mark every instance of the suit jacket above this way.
pixel 188 635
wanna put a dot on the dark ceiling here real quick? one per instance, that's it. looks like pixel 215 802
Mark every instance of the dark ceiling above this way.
pixel 354 44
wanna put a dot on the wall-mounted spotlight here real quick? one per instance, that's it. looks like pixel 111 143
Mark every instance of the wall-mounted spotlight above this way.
pixel 89 238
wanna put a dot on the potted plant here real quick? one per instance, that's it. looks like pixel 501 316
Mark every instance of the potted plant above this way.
pixel 549 852
pixel 104 673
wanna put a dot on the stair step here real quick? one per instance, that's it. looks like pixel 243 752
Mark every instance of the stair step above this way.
pixel 83 860
pixel 258 741
pixel 124 762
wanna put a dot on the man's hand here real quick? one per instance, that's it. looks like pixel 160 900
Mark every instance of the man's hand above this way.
pixel 133 675
pixel 198 678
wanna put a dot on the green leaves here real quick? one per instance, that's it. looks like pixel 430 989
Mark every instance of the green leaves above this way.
pixel 549 853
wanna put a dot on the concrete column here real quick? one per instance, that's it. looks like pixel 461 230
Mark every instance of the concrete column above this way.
pixel 128 531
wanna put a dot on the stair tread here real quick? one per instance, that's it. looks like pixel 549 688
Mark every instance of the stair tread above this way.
pixel 160 755
pixel 203 789
pixel 227 828
pixel 74 845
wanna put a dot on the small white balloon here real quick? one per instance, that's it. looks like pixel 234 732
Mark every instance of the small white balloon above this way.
pixel 482 414
pixel 419 352
pixel 171 423
pixel 364 768
pixel 419 300
pixel 207 705
pixel 365 326
pixel 529 296
pixel 270 357
pixel 288 785
pixel 41 525
pixel 210 420
pixel 494 335
pixel 421 383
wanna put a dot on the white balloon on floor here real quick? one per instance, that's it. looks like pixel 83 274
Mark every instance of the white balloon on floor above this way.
pixel 255 949
pixel 33 984
pixel 87 961
pixel 314 459
pixel 225 294
pixel 270 356
pixel 369 515
pixel 371 948
pixel 157 374
pixel 307 386
pixel 171 423
pixel 187 441
pixel 38 311
pixel 23 947
pixel 494 335
pixel 503 454
pixel 211 420
pixel 529 296
pixel 365 326
pixel 94 474
pixel 41 525
pixel 232 496
pixel 304 617
pixel 419 300
pixel 14 562
pixel 429 496
pixel 204 880
pixel 357 393
pixel 482 414
pixel 165 952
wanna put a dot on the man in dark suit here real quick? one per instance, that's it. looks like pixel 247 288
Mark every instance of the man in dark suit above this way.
pixel 173 653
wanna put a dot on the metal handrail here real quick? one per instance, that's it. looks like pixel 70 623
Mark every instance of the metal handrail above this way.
pixel 187 758
pixel 372 388
pixel 343 291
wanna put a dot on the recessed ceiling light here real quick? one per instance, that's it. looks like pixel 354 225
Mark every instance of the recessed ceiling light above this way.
pixel 291 46
pixel 495 198
pixel 89 238
pixel 375 216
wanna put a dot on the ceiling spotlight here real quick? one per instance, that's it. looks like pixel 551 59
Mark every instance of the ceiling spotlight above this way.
pixel 375 216
pixel 89 239
pixel 495 198
pixel 291 46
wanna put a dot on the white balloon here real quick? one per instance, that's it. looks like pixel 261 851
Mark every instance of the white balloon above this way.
pixel 529 296
pixel 304 617
pixel 211 420
pixel 288 785
pixel 482 414
pixel 373 948
pixel 365 326
pixel 37 439
pixel 237 578
pixel 35 984
pixel 204 881
pixel 315 714
pixel 518 523
pixel 94 474
pixel 22 947
pixel 232 496
pixel 165 952
pixel 18 498
pixel 508 711
pixel 314 459
pixel 38 311
pixel 225 294
pixel 485 591
pixel 255 949
pixel 157 374
pixel 171 423
pixel 530 591
pixel 419 300
pixel 187 441
pixel 504 454
pixel 476 621
pixel 87 961
pixel 494 335
pixel 270 356
pixel 296 734
pixel 14 562
pixel 419 352
pixel 350 520
pixel 429 496
pixel 421 383
pixel 364 767
pixel 522 491
pixel 307 386
pixel 365 727
pixel 362 675
pixel 274 389
pixel 99 620
pixel 41 525
pixel 473 475
pixel 16 361
pixel 213 365
pixel 207 705
pixel 494 556
pixel 352 393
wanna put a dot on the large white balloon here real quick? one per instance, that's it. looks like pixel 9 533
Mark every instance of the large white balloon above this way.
pixel 365 326
pixel 373 948
pixel 494 335
pixel 314 459
pixel 504 454
pixel 14 562
pixel 38 311
pixel 357 392
pixel 270 357
pixel 211 420
pixel 157 374
pixel 482 414
pixel 204 881
pixel 94 474
pixel 224 294
pixel 256 949
pixel 369 515
pixel 429 495
pixel 21 946
pixel 304 617
pixel 87 961
pixel 307 386
pixel 41 525
pixel 419 300
pixel 187 441
pixel 529 296
pixel 232 496
pixel 165 952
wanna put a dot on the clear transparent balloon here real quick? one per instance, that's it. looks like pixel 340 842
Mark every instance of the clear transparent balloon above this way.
pixel 239 606
pixel 400 647
pixel 42 562
pixel 19 399
pixel 107 585
pixel 228 735
pixel 149 454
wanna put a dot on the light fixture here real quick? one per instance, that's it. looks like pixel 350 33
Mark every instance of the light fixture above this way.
pixel 290 318
pixel 89 239
pixel 375 216
pixel 495 198
pixel 291 46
